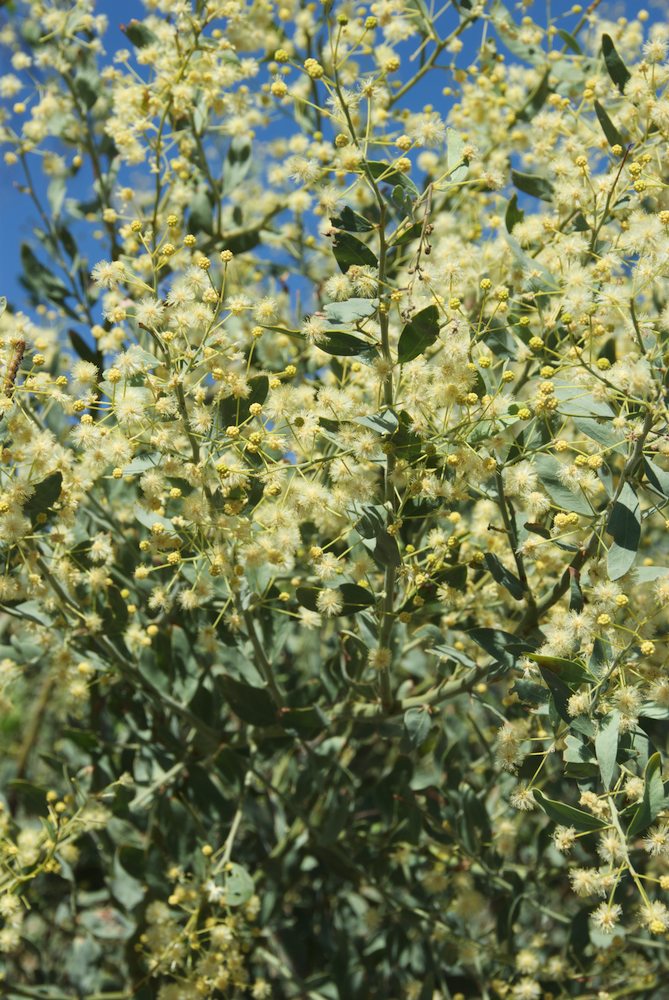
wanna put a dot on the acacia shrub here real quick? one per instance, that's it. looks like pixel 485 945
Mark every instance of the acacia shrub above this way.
pixel 333 510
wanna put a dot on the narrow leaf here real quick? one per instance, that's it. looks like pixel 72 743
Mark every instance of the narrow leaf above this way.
pixel 653 797
pixel 612 134
pixel 606 746
pixel 504 576
pixel 625 526
pixel 513 214
pixel 566 815
pixel 657 478
pixel 616 68
pixel 502 646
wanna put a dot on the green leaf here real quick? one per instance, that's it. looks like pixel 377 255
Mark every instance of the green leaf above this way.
pixel 389 175
pixel 548 469
pixel 606 746
pixel 653 797
pixel 657 478
pixel 39 280
pixel 625 526
pixel 615 66
pixel 87 87
pixel 613 136
pixel 307 722
pixel 380 423
pixel 572 672
pixel 533 184
pixel 419 334
pixel 32 797
pixel 138 34
pixel 201 215
pixel 349 251
pixel 239 885
pixel 405 235
pixel 648 574
pixel 566 815
pixel 372 527
pixel 351 310
pixel 343 344
pixel 513 214
pixel 570 41
pixel 45 495
pixel 504 647
pixel 253 705
pixel 237 164
pixel 124 887
pixel 417 723
pixel 505 577
pixel 351 221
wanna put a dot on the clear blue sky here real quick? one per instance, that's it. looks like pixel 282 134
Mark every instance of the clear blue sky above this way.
pixel 16 210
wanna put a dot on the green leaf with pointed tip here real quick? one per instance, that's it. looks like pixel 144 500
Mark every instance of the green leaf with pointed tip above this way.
pixel 657 478
pixel 343 344
pixel 616 68
pixel 350 221
pixel 504 576
pixel 503 646
pixel 570 41
pixel 653 800
pixel 533 184
pixel 613 136
pixel 419 334
pixel 566 815
pixel 417 724
pixel 349 251
pixel 625 525
pixel 572 672
pixel 513 214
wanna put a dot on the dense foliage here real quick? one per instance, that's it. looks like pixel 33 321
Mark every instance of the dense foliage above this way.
pixel 333 504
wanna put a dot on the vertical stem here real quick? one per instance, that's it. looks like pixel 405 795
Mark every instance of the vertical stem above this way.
pixel 387 620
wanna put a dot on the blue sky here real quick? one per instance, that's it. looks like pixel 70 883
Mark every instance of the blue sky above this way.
pixel 17 212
